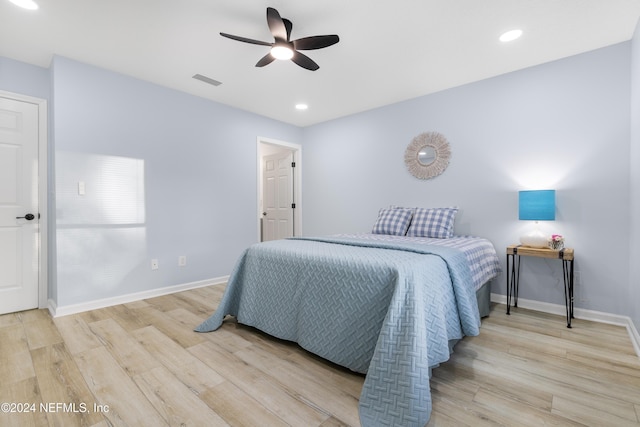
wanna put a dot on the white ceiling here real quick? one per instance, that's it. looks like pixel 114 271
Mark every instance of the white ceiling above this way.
pixel 388 51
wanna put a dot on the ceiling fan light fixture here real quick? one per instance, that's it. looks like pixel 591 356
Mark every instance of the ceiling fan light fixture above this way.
pixel 25 4
pixel 283 47
pixel 282 52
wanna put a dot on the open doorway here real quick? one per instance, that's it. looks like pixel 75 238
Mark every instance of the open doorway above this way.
pixel 279 189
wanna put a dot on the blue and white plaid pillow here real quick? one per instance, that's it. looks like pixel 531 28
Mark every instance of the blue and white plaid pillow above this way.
pixel 393 221
pixel 435 222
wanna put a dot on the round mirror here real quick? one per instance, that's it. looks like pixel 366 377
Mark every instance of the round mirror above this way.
pixel 427 155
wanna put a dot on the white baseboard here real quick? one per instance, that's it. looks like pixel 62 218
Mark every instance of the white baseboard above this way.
pixel 65 310
pixel 579 313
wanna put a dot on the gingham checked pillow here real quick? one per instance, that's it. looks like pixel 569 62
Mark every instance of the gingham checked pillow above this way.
pixel 434 222
pixel 393 221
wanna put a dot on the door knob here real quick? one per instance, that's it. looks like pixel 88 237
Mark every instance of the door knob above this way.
pixel 28 217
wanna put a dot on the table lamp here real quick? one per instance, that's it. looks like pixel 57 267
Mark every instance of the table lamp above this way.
pixel 536 205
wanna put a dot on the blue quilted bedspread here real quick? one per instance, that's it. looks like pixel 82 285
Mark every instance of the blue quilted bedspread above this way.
pixel 380 308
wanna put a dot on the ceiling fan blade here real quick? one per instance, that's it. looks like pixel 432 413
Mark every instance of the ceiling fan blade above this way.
pixel 244 39
pixel 276 24
pixel 289 26
pixel 265 60
pixel 315 42
pixel 304 61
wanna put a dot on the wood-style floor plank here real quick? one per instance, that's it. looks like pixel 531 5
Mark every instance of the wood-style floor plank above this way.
pixel 42 333
pixel 15 357
pixel 77 335
pixel 188 369
pixel 587 414
pixel 269 392
pixel 322 392
pixel 175 324
pixel 60 381
pixel 239 408
pixel 174 401
pixel 114 389
pixel 141 363
pixel 130 355
pixel 25 391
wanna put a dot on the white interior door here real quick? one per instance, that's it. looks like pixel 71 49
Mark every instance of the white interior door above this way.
pixel 19 218
pixel 277 200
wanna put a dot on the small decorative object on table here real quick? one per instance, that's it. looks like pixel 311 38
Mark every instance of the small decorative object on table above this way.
pixel 556 242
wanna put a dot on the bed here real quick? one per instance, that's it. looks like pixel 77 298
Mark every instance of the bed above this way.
pixel 386 305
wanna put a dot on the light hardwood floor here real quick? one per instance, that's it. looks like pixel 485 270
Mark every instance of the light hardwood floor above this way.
pixel 140 364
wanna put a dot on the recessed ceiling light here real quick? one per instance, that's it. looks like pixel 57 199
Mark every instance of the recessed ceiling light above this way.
pixel 510 35
pixel 301 106
pixel 25 4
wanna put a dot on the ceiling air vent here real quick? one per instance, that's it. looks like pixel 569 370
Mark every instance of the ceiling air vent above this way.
pixel 207 80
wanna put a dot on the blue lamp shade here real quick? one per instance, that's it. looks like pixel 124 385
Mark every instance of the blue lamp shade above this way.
pixel 537 205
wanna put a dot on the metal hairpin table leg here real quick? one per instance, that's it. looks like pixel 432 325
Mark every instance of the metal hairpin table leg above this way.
pixel 513 277
pixel 567 270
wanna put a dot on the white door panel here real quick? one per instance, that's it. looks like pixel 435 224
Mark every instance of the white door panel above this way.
pixel 277 199
pixel 9 156
pixel 18 197
pixel 9 248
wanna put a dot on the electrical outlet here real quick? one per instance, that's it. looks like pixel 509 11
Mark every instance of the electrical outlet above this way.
pixel 154 264
pixel 182 260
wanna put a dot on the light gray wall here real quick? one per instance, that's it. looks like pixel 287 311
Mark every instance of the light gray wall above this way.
pixel 562 125
pixel 24 79
pixel 166 174
pixel 634 247
pixel 566 122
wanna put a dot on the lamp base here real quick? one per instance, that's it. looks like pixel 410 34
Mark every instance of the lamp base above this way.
pixel 535 239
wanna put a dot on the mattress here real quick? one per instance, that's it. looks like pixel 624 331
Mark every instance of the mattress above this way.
pixel 480 252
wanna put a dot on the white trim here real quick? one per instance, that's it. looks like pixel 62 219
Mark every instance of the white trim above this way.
pixel 66 310
pixel 43 202
pixel 297 180
pixel 579 313
pixel 43 191
pixel 635 337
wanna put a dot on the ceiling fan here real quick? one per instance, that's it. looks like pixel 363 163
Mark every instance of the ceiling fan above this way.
pixel 285 48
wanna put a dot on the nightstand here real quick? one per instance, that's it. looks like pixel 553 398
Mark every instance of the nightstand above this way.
pixel 514 252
